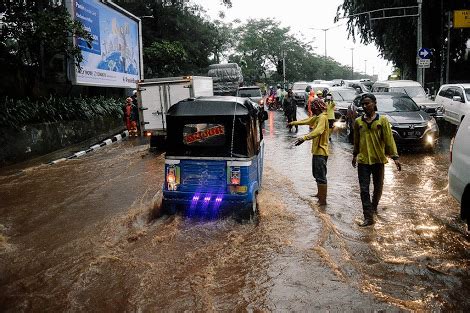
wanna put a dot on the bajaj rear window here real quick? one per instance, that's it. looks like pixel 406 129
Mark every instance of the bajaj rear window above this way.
pixel 204 135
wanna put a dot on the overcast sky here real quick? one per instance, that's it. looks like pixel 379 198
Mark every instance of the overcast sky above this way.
pixel 301 16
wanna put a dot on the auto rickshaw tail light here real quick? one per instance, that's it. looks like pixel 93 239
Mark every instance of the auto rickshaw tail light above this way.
pixel 172 177
pixel 234 176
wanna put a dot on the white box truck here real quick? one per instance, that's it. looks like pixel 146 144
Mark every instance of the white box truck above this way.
pixel 156 96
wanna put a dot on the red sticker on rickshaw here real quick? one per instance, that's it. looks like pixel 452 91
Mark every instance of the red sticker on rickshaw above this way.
pixel 205 134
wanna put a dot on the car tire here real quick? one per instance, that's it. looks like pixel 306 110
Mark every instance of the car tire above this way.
pixel 168 209
pixel 254 213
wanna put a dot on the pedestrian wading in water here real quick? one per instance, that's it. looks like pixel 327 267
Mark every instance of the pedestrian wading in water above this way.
pixel 373 142
pixel 319 136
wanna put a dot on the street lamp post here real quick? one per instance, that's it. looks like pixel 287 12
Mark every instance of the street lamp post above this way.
pixel 419 43
pixel 325 30
pixel 365 67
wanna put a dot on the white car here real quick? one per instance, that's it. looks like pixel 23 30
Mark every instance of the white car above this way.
pixel 414 90
pixel 459 170
pixel 455 100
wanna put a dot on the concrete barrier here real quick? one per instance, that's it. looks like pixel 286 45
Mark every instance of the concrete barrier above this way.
pixel 39 139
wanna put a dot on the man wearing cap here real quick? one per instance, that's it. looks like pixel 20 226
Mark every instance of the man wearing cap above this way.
pixel 373 142
pixel 319 137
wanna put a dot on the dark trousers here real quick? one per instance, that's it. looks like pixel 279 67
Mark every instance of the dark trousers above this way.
pixel 364 172
pixel 319 168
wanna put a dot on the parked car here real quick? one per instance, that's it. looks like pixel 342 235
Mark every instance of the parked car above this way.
pixel 455 100
pixel 411 126
pixel 412 89
pixel 343 97
pixel 459 170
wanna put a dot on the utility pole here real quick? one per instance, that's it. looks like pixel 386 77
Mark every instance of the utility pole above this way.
pixel 284 68
pixel 419 43
pixel 365 67
pixel 352 63
pixel 449 25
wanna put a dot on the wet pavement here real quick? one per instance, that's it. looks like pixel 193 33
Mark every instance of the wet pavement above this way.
pixel 82 236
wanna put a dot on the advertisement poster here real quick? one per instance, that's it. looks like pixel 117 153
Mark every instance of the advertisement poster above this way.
pixel 113 58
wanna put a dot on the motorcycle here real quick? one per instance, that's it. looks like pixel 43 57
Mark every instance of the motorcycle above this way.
pixel 272 103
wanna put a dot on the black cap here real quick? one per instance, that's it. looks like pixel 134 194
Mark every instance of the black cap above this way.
pixel 368 95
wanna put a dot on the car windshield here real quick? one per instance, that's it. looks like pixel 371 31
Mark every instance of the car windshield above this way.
pixel 249 92
pixel 344 95
pixel 467 93
pixel 396 104
pixel 412 91
pixel 299 86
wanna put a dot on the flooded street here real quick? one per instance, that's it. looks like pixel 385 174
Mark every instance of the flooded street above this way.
pixel 83 235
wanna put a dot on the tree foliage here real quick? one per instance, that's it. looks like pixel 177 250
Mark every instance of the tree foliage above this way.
pixel 396 38
pixel 182 28
pixel 33 33
pixel 260 46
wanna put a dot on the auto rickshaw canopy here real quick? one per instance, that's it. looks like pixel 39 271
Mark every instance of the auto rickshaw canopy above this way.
pixel 216 126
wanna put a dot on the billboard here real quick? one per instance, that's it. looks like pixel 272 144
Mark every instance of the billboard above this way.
pixel 114 57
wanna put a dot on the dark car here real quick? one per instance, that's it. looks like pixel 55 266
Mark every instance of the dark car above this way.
pixel 252 92
pixel 298 89
pixel 343 97
pixel 411 126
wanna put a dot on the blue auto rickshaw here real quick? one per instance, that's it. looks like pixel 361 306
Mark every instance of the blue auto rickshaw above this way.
pixel 214 157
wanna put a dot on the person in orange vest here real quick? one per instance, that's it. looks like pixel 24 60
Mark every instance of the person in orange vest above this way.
pixel 311 97
pixel 129 117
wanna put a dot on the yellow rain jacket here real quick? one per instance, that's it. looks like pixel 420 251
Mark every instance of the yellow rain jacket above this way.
pixel 319 134
pixel 330 109
pixel 374 141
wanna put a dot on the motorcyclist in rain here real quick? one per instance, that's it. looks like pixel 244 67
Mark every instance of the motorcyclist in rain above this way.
pixel 278 94
pixel 319 136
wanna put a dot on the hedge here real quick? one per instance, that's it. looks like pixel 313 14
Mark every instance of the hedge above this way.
pixel 17 113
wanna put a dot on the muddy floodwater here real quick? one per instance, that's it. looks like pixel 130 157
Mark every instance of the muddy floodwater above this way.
pixel 83 235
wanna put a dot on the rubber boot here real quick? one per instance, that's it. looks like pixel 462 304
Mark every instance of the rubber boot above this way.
pixel 322 191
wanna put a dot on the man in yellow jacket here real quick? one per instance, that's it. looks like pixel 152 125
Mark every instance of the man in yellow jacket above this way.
pixel 373 142
pixel 319 137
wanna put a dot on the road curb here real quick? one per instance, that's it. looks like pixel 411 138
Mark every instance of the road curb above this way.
pixel 107 142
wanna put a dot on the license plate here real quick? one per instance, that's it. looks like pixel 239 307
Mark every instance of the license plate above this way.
pixel 413 134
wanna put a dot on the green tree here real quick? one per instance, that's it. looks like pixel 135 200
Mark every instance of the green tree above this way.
pixel 397 41
pixel 179 39
pixel 33 33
